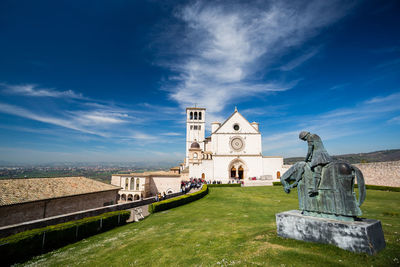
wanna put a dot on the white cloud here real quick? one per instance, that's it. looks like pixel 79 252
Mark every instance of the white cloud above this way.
pixel 380 99
pixel 22 112
pixel 394 120
pixel 172 134
pixel 336 124
pixel 299 60
pixel 339 86
pixel 226 47
pixel 35 91
pixel 144 136
pixel 99 117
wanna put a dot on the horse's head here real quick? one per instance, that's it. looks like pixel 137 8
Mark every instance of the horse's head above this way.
pixel 293 174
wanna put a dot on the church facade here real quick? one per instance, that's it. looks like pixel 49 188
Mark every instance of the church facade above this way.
pixel 232 151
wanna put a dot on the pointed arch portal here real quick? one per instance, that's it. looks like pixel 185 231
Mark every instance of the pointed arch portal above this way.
pixel 237 169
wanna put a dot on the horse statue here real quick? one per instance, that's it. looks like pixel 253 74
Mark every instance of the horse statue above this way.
pixel 335 198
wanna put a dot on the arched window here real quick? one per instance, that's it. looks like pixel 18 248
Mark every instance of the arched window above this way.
pixel 191 115
pixel 195 115
pixel 126 183
pixel 195 155
pixel 199 115
pixel 137 183
pixel 132 184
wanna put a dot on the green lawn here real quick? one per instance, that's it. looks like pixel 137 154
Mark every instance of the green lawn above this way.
pixel 230 226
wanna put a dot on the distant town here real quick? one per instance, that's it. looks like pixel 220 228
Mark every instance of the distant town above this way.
pixel 98 171
pixel 102 171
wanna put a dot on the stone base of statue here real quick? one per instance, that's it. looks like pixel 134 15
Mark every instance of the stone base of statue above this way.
pixel 364 236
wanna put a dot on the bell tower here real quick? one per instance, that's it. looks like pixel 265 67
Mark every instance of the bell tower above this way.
pixel 195 128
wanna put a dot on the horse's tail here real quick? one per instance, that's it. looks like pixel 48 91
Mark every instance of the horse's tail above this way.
pixel 361 185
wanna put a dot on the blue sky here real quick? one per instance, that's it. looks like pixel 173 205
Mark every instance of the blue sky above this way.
pixel 110 80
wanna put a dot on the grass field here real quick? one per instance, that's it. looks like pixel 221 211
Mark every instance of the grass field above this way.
pixel 230 226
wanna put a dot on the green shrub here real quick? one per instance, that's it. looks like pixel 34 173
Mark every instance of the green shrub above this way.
pixel 381 187
pixel 178 201
pixel 372 187
pixel 224 185
pixel 22 246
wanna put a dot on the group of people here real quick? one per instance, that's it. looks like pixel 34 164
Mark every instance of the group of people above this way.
pixel 195 183
pixel 160 196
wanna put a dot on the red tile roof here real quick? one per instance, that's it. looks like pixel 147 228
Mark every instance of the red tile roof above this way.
pixel 14 191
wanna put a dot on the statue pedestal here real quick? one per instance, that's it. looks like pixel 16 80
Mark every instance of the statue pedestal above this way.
pixel 365 236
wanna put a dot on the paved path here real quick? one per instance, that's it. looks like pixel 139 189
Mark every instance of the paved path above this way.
pixel 145 210
pixel 134 213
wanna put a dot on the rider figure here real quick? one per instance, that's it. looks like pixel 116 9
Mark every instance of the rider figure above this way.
pixel 317 156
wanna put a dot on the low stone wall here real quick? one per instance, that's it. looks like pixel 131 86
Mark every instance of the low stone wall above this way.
pixel 40 209
pixel 16 228
pixel 381 173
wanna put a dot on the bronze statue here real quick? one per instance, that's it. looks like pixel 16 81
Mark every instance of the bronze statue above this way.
pixel 325 187
pixel 317 156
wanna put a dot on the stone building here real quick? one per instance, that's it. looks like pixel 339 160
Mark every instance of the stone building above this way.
pixel 30 199
pixel 136 186
pixel 232 151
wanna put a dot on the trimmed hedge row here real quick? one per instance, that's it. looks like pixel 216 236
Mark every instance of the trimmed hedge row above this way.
pixel 22 246
pixel 380 187
pixel 224 185
pixel 368 186
pixel 178 201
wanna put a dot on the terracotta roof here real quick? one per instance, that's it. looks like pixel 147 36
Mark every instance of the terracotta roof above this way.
pixel 14 191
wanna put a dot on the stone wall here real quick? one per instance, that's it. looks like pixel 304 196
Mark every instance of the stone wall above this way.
pixel 24 226
pixel 161 184
pixel 17 213
pixel 381 173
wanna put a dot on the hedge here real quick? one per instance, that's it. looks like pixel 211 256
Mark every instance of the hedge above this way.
pixel 368 186
pixel 177 201
pixel 224 185
pixel 380 187
pixel 22 246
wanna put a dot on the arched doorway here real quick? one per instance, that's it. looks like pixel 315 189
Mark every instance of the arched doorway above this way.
pixel 203 176
pixel 123 197
pixel 130 197
pixel 237 169
pixel 233 172
pixel 278 175
pixel 136 197
pixel 240 172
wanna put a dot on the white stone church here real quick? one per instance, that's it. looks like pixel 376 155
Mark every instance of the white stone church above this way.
pixel 232 151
